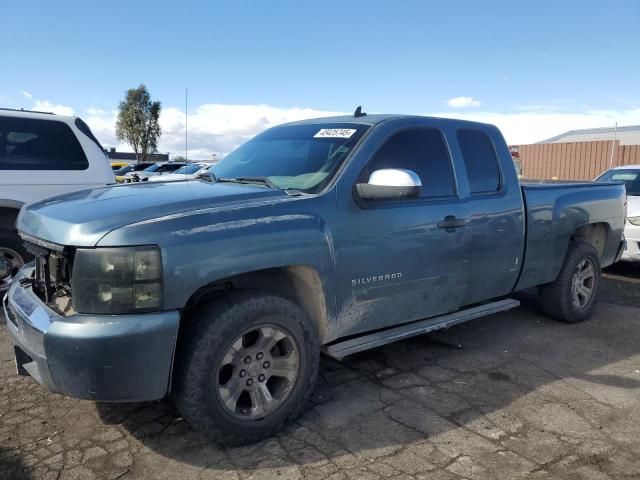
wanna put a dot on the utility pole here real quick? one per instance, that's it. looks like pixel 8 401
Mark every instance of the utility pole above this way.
pixel 613 144
pixel 186 124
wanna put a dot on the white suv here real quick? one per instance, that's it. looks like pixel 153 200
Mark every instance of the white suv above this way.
pixel 41 155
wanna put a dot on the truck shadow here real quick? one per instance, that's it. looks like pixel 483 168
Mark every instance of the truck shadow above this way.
pixel 429 387
pixel 621 284
pixel 12 467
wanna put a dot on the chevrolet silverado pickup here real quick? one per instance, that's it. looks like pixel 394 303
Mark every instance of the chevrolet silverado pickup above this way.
pixel 332 235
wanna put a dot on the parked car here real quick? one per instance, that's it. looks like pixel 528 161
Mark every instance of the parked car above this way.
pixel 335 235
pixel 630 176
pixel 188 172
pixel 118 165
pixel 159 168
pixel 132 167
pixel 41 155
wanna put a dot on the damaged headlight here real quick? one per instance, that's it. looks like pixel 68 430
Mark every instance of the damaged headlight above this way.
pixel 634 220
pixel 117 280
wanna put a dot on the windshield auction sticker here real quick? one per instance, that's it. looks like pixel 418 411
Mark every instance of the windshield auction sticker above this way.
pixel 335 133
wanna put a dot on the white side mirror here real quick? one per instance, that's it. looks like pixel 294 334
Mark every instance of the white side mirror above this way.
pixel 390 184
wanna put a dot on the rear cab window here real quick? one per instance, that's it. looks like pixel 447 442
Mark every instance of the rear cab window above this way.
pixel 34 144
pixel 480 160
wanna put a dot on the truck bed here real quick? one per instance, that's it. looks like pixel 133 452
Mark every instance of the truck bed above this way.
pixel 554 212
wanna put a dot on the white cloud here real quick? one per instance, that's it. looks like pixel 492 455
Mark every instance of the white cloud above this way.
pixel 47 106
pixel 533 126
pixel 461 102
pixel 213 128
pixel 27 94
pixel 219 128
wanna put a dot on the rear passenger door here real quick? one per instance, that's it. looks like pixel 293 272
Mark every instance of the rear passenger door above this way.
pixel 495 220
pixel 397 260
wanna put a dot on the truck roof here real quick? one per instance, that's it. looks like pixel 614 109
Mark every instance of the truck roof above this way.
pixel 376 118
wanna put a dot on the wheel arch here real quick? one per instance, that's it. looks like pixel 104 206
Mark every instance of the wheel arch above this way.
pixel 302 284
pixel 9 210
pixel 595 234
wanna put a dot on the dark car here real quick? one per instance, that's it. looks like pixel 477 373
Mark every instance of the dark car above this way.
pixel 133 167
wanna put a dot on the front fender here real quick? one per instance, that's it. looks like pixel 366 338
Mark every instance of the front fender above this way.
pixel 204 247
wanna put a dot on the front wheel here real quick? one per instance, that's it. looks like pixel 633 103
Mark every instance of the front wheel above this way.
pixel 246 367
pixel 571 297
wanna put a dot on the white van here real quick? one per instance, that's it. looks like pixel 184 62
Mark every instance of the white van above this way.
pixel 41 155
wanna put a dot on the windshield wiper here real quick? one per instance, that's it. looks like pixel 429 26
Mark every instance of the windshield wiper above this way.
pixel 248 180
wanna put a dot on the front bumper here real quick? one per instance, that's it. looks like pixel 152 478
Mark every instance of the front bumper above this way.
pixel 111 358
pixel 632 235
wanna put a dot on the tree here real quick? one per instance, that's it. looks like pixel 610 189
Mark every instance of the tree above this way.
pixel 138 122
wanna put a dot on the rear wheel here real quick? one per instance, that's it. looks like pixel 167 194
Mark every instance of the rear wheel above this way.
pixel 571 297
pixel 247 366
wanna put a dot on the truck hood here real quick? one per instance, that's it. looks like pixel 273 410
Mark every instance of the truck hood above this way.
pixel 83 218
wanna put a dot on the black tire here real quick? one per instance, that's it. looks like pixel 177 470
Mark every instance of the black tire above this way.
pixel 213 328
pixel 12 250
pixel 558 299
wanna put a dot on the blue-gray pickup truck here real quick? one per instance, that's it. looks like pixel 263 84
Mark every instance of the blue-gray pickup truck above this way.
pixel 331 235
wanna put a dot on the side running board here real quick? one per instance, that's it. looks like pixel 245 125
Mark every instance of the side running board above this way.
pixel 341 349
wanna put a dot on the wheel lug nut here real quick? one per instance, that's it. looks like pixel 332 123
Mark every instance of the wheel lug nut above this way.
pixel 259 356
pixel 266 365
pixel 250 382
pixel 247 360
pixel 261 378
pixel 243 373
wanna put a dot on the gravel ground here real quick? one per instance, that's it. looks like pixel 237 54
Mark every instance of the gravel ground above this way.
pixel 515 395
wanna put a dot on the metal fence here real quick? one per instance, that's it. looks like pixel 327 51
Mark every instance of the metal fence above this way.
pixel 574 160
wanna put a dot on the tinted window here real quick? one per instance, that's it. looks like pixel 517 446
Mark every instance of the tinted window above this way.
pixel 84 128
pixel 630 178
pixel 169 167
pixel 480 161
pixel 187 169
pixel 124 170
pixel 423 151
pixel 136 167
pixel 32 144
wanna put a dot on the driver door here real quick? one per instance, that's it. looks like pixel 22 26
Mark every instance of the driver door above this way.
pixel 404 260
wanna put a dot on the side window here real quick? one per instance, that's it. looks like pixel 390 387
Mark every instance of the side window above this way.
pixel 422 150
pixel 480 161
pixel 33 144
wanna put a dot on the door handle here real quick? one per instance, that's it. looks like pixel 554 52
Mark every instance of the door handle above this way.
pixel 450 223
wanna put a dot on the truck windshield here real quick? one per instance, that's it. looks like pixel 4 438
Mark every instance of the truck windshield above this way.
pixel 299 157
pixel 630 177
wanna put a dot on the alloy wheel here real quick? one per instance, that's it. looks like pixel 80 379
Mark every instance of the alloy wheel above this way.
pixel 583 283
pixel 258 372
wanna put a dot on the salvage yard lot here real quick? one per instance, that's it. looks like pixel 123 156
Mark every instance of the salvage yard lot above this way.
pixel 515 395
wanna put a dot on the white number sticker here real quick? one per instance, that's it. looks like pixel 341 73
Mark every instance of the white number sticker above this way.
pixel 335 133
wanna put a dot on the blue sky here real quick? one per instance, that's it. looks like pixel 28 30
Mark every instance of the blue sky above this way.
pixel 532 67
